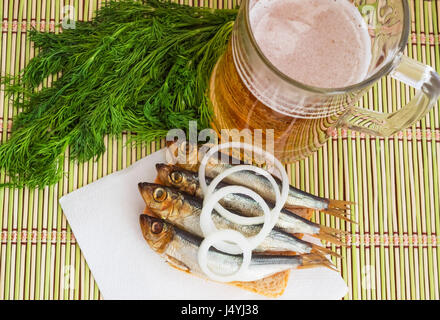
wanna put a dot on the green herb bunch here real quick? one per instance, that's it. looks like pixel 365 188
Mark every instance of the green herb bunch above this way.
pixel 141 67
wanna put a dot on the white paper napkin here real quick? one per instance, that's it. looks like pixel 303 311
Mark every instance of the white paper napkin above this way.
pixel 104 217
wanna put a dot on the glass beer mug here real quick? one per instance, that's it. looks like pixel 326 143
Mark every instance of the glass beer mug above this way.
pixel 248 92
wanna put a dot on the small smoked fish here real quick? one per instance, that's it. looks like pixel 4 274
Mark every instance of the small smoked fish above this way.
pixel 216 165
pixel 180 249
pixel 184 211
pixel 288 221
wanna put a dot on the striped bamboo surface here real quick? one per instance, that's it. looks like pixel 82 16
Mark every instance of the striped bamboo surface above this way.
pixel 393 253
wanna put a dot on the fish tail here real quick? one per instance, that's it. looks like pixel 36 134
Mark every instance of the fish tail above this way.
pixel 339 214
pixel 332 231
pixel 312 260
pixel 324 251
pixel 329 238
pixel 340 204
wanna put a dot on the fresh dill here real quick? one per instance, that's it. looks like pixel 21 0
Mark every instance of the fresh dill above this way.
pixel 140 67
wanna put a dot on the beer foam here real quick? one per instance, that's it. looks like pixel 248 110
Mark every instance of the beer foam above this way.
pixel 323 43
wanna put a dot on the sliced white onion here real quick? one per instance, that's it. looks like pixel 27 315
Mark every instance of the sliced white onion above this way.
pixel 232 216
pixel 224 235
pixel 224 240
pixel 208 227
pixel 248 147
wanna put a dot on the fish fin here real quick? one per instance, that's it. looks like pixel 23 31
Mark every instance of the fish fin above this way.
pixel 177 264
pixel 339 209
pixel 340 204
pixel 329 238
pixel 339 214
pixel 272 286
pixel 308 213
pixel 305 213
pixel 324 251
pixel 332 231
pixel 312 260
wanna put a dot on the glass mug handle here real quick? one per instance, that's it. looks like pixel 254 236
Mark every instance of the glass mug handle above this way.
pixel 413 73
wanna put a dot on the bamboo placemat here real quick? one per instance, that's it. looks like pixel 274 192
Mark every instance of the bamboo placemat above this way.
pixel 392 254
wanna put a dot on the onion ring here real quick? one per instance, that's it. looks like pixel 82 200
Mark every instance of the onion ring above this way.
pixel 208 227
pixel 232 216
pixel 284 178
pixel 222 239
pixel 229 235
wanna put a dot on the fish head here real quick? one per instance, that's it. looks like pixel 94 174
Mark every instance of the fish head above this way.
pixel 166 174
pixel 156 232
pixel 164 202
pixel 174 176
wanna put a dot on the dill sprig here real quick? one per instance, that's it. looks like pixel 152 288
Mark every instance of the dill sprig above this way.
pixel 140 67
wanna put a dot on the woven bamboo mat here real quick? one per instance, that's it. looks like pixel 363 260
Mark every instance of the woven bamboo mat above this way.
pixel 393 253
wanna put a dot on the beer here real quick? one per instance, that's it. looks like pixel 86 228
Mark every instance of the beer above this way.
pixel 322 43
pixel 236 107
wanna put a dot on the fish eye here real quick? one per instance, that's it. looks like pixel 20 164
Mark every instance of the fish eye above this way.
pixel 159 194
pixel 156 227
pixel 176 177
